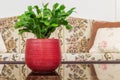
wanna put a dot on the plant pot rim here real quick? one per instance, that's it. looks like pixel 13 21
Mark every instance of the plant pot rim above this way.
pixel 42 39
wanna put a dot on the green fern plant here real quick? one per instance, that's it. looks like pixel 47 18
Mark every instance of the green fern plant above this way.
pixel 43 21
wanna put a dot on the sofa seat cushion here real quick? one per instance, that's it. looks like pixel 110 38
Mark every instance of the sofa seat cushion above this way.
pixel 66 56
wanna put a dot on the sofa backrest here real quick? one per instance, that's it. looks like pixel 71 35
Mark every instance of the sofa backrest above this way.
pixel 72 41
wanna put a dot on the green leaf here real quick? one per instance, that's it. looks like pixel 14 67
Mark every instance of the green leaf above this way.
pixel 45 6
pixel 47 13
pixel 64 22
pixel 21 31
pixel 43 31
pixel 29 8
pixel 55 5
pixel 68 26
pixel 62 7
pixel 54 25
pixel 37 9
pixel 47 23
pixel 70 11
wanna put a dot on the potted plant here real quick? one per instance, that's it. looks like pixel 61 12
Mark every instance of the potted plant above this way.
pixel 43 54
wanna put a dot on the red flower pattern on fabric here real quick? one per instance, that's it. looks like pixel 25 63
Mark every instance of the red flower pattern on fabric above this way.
pixel 104 44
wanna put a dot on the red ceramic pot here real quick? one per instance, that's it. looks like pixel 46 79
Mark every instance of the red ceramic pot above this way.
pixel 42 55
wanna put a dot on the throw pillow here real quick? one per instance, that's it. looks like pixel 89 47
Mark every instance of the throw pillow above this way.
pixel 100 24
pixel 107 40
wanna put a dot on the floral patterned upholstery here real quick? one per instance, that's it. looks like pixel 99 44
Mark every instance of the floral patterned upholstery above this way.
pixel 73 47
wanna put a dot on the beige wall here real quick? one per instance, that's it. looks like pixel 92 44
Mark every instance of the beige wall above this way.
pixel 118 10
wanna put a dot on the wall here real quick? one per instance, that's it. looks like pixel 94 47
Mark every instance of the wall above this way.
pixel 91 9
pixel 118 10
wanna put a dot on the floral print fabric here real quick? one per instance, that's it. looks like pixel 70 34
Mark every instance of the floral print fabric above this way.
pixel 107 40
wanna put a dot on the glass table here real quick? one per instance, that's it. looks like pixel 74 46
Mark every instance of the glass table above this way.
pixel 56 75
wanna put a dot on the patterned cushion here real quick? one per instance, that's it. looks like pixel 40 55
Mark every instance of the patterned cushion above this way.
pixel 96 26
pixel 76 39
pixel 2 45
pixel 107 40
pixel 66 56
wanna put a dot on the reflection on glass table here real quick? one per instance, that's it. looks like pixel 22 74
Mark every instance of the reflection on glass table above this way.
pixel 43 76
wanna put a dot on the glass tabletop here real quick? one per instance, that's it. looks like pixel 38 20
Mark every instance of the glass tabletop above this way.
pixel 68 70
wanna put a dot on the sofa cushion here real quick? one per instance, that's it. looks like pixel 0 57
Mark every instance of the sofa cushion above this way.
pixel 2 45
pixel 107 40
pixel 96 26
pixel 66 56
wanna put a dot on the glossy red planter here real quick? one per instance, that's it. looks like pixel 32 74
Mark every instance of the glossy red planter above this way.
pixel 42 55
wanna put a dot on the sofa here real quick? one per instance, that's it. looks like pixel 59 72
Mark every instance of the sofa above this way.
pixel 74 45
